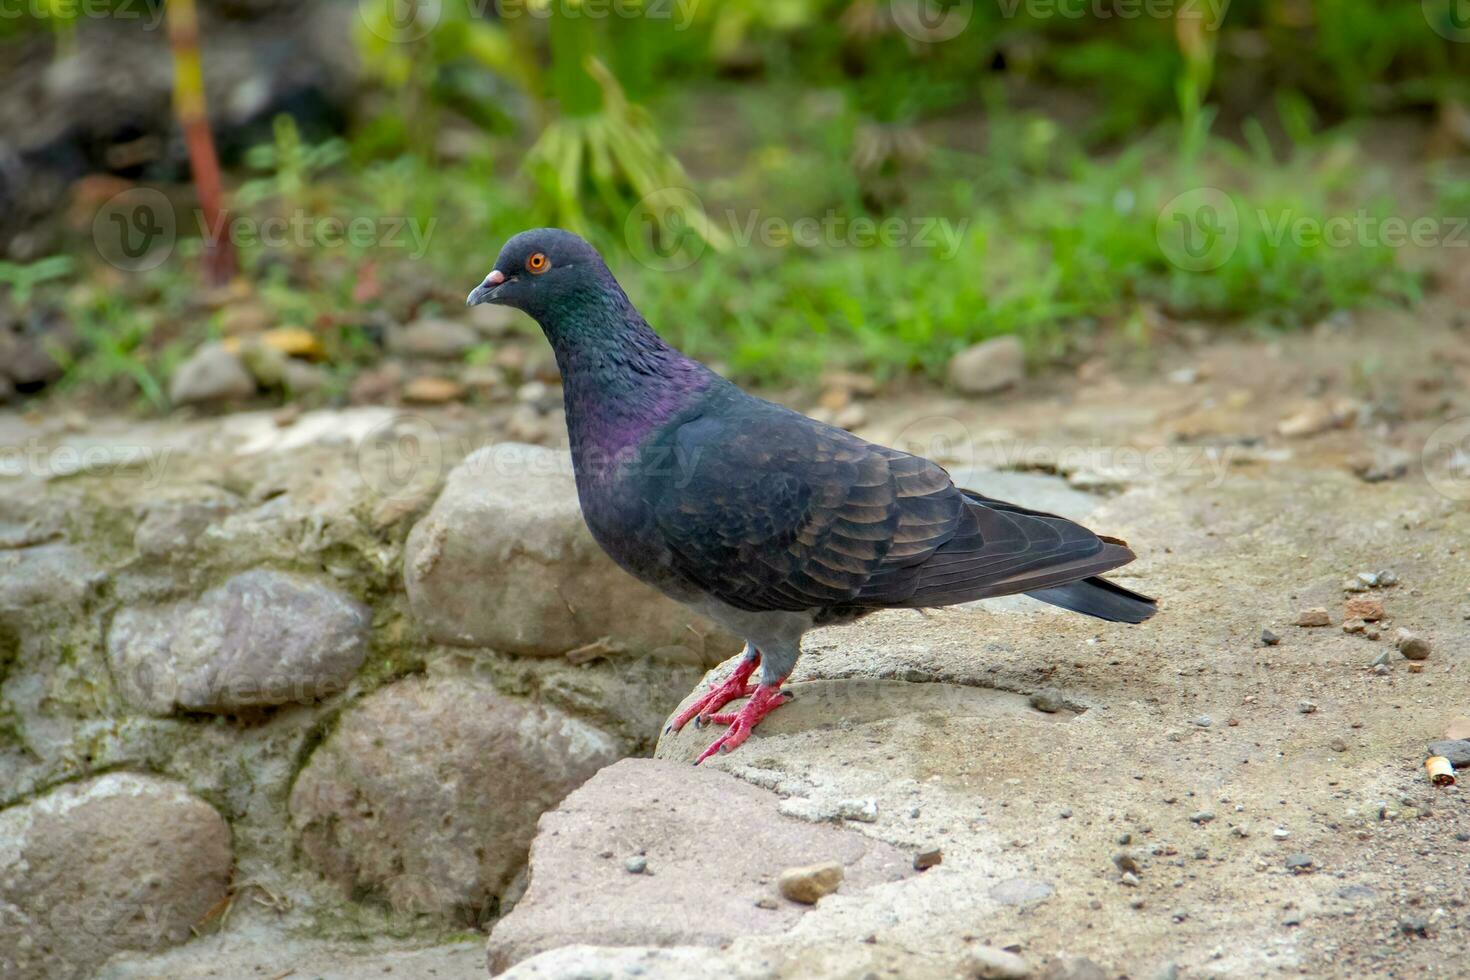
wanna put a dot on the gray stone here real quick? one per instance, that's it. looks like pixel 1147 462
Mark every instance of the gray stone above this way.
pixel 1455 750
pixel 1412 645
pixel 429 338
pixel 212 374
pixel 55 575
pixel 989 366
pixel 1022 891
pixel 702 895
pixel 120 862
pixel 262 638
pixel 504 560
pixel 429 790
pixel 170 528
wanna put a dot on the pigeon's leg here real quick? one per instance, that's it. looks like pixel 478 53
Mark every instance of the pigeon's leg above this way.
pixel 736 686
pixel 779 657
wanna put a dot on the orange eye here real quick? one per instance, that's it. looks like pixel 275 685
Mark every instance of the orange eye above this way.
pixel 538 263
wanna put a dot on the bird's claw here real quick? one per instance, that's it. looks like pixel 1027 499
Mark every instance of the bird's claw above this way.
pixel 767 698
pixel 735 686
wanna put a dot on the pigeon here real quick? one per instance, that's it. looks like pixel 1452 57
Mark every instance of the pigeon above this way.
pixel 766 521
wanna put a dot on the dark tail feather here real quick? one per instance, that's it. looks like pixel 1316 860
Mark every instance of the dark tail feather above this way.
pixel 1101 598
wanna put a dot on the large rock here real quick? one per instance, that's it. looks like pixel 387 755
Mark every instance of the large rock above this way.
pixel 429 790
pixel 119 862
pixel 505 560
pixel 989 366
pixel 713 846
pixel 262 638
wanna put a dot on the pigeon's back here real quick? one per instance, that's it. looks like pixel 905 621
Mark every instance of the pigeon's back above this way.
pixel 765 510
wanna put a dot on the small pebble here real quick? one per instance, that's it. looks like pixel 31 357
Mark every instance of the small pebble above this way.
pixel 1382 670
pixel 1127 862
pixel 1269 639
pixel 1204 721
pixel 1299 862
pixel 989 963
pixel 1203 816
pixel 1313 617
pixel 1411 645
pixel 1307 707
pixel 1281 833
pixel 1047 701
pixel 1338 745
pixel 765 903
pixel 1129 879
pixel 928 858
pixel 636 865
pixel 1354 626
pixel 1382 659
pixel 809 883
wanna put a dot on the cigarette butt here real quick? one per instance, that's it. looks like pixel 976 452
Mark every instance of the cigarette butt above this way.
pixel 1441 773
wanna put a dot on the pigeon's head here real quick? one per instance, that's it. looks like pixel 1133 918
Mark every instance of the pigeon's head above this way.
pixel 538 267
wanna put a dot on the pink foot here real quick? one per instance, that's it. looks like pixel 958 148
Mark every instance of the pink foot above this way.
pixel 767 698
pixel 735 686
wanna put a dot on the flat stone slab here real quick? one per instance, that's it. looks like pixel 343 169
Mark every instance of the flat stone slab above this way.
pixel 712 847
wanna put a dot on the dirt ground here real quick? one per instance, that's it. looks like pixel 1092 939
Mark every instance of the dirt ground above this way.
pixel 1273 797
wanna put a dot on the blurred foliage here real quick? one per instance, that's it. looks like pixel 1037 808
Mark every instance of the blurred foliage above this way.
pixel 686 139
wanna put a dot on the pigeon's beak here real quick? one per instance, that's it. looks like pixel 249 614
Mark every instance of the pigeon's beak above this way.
pixel 485 291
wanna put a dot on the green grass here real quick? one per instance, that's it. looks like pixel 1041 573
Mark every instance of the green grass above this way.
pixel 1056 246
